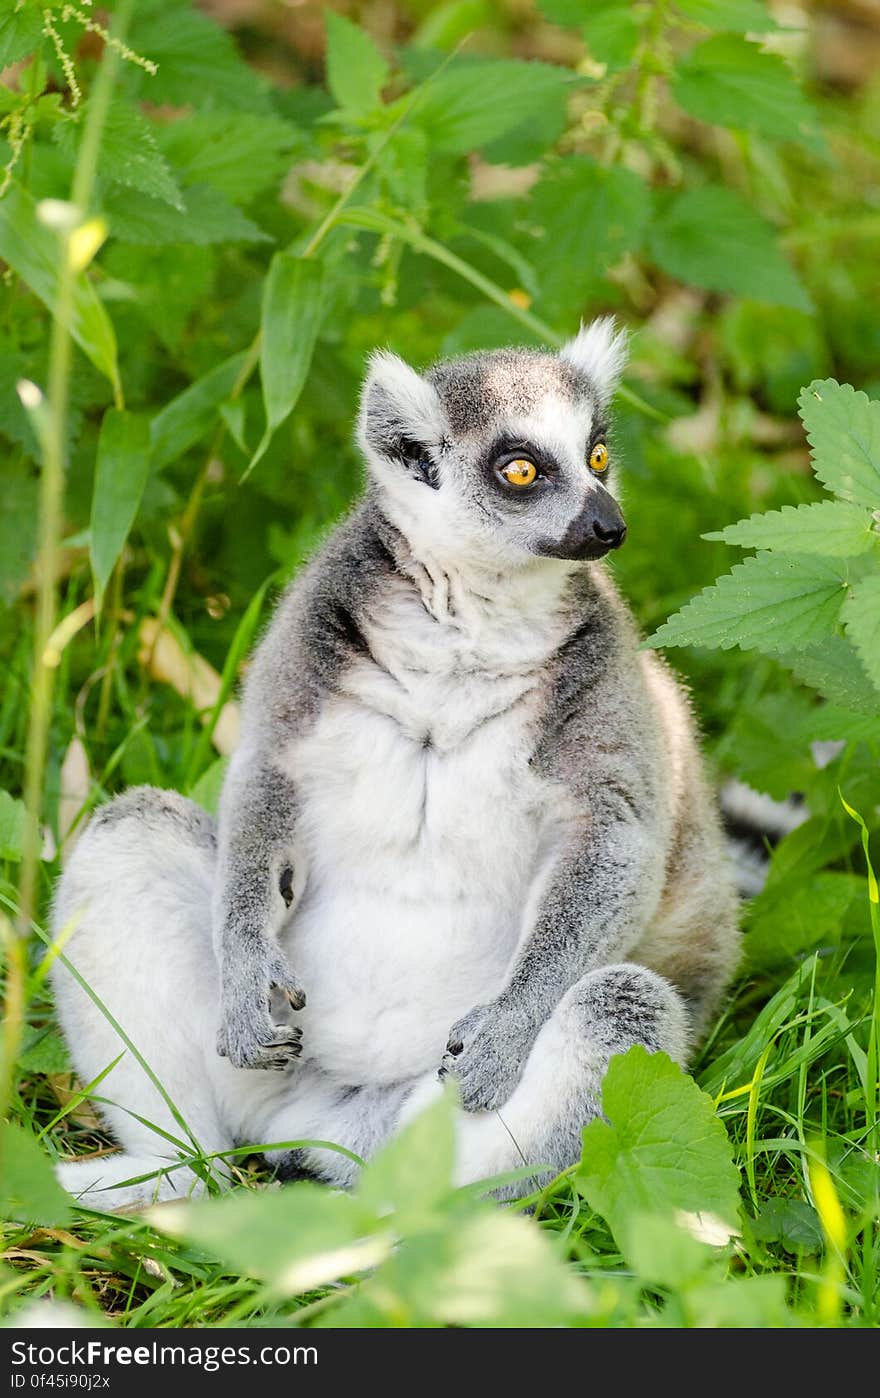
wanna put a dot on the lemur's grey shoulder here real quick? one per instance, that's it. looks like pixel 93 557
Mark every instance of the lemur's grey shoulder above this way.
pixel 598 697
pixel 316 630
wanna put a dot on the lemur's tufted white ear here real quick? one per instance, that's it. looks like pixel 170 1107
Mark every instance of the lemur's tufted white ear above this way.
pixel 399 409
pixel 598 351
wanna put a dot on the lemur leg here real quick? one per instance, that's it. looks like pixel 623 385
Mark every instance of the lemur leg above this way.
pixel 137 892
pixel 560 1089
pixel 603 1014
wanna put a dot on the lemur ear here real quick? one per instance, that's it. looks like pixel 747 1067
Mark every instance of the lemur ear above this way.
pixel 598 351
pixel 400 414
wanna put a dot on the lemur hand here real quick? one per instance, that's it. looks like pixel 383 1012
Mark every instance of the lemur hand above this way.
pixel 248 1035
pixel 486 1052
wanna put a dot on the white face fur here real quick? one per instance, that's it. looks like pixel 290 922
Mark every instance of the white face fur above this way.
pixel 449 448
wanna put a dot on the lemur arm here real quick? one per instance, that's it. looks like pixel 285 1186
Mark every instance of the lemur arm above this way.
pixel 254 887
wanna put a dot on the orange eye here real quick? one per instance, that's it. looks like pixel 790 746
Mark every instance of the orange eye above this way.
pixel 599 457
pixel 520 472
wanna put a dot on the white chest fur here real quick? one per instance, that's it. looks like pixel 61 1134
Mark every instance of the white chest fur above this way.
pixel 424 830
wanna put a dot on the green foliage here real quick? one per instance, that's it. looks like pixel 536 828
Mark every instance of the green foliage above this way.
pixel 712 238
pixel 121 468
pixel 662 1153
pixel 803 591
pixel 267 224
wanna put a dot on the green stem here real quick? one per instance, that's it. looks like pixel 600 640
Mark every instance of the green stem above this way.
pixel 374 222
pixel 53 435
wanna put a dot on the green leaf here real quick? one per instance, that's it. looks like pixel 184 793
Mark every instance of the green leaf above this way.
pixel 198 64
pixel 13 817
pixel 861 618
pixel 356 70
pixel 467 106
pixel 834 669
pixel 744 1303
pixel 32 251
pixel 240 154
pixel 736 16
pixel 206 217
pixel 413 1172
pixel 121 471
pixel 206 791
pixel 768 603
pixel 832 528
pixel 729 82
pixel 662 1151
pixel 710 237
pixel 18 527
pixel 295 1239
pixel 792 1222
pixel 189 416
pixel 612 32
pixel 580 205
pixel 843 429
pixel 795 915
pixel 20 34
pixel 293 305
pixel 29 1191
pixel 665 1253
pixel 489 1269
pixel 128 154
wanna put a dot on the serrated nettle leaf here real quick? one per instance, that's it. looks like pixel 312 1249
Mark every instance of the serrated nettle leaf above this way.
pixel 207 217
pixel 730 82
pixel 710 237
pixel 197 63
pixel 32 250
pixel 735 16
pixel 237 153
pixel 471 104
pixel 861 618
pixel 612 32
pixel 833 668
pixel 20 33
pixel 661 1151
pixel 129 154
pixel 356 70
pixel 843 429
pixel 769 603
pixel 121 470
pixel 189 416
pixel 588 216
pixel 29 1191
pixel 293 305
pixel 831 528
pixel 793 916
pixel 295 1239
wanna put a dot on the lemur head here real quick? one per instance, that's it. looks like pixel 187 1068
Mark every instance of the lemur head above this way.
pixel 499 457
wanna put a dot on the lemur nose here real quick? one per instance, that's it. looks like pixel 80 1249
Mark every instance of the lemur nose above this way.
pixel 612 535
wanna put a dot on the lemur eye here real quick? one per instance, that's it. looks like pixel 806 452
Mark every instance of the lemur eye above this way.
pixel 599 457
pixel 520 472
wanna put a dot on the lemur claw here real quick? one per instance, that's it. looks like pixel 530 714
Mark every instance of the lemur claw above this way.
pixel 485 1054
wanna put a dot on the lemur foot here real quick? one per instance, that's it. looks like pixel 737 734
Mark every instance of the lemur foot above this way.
pixel 248 1035
pixel 485 1054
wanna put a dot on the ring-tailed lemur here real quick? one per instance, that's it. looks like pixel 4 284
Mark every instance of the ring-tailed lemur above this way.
pixel 466 831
